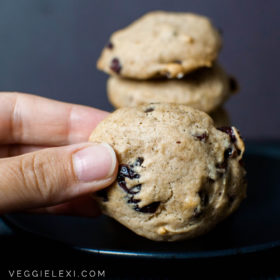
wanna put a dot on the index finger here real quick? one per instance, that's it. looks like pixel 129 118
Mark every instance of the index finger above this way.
pixel 30 119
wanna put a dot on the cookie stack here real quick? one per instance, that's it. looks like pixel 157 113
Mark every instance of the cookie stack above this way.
pixel 166 57
pixel 179 173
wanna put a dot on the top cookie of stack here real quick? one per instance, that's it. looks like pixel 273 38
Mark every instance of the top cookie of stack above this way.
pixel 166 46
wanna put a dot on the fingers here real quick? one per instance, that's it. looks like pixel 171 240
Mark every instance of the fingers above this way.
pixel 55 175
pixel 29 119
pixel 18 149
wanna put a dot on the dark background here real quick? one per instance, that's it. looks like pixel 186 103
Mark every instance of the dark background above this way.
pixel 50 48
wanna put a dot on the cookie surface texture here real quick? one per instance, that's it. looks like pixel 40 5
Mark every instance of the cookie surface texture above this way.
pixel 205 89
pixel 178 175
pixel 161 43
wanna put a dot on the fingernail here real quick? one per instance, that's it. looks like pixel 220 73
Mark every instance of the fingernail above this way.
pixel 95 162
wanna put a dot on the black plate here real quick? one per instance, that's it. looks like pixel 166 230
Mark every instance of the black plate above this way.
pixel 254 227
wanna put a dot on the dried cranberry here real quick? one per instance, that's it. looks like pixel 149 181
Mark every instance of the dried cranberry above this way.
pixel 203 137
pixel 122 184
pixel 139 161
pixel 110 46
pixel 132 200
pixel 115 65
pixel 228 130
pixel 136 189
pixel 126 171
pixel 228 153
pixel 150 208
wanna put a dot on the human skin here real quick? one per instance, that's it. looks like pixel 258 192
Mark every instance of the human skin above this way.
pixel 46 163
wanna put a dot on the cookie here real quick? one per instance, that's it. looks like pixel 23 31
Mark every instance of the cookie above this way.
pixel 161 44
pixel 178 175
pixel 205 89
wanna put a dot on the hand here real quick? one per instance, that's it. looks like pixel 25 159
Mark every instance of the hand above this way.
pixel 42 168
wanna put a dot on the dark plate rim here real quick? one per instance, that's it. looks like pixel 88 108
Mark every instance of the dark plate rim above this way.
pixel 187 255
pixel 150 254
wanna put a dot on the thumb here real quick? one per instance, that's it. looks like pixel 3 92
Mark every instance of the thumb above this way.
pixel 51 176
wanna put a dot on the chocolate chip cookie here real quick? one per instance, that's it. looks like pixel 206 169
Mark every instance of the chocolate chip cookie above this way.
pixel 161 43
pixel 178 175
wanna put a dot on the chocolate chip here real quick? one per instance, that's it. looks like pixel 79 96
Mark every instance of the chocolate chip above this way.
pixel 103 194
pixel 178 142
pixel 203 137
pixel 233 85
pixel 115 65
pixel 228 130
pixel 150 208
pixel 110 46
pixel 150 109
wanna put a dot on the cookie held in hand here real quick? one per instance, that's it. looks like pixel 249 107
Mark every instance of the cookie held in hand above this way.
pixel 178 174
